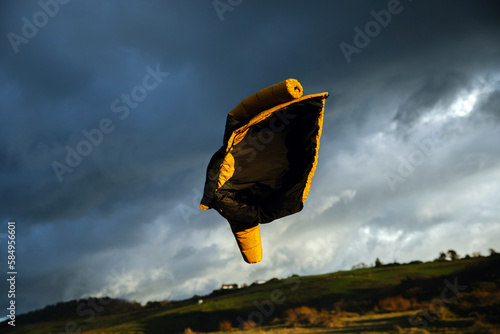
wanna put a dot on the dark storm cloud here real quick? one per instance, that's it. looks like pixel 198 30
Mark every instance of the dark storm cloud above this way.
pixel 440 89
pixel 491 105
pixel 133 201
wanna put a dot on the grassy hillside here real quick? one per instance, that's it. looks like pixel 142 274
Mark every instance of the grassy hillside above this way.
pixel 460 295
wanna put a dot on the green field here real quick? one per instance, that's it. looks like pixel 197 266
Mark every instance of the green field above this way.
pixel 459 296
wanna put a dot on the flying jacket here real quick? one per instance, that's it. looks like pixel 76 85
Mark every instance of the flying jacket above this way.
pixel 264 169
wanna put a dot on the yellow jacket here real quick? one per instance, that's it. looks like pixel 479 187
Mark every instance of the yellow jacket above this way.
pixel 264 169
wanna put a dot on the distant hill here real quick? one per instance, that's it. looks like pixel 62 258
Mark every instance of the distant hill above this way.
pixel 83 307
pixel 461 295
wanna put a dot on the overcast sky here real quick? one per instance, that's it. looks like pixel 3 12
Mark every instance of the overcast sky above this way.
pixel 409 163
